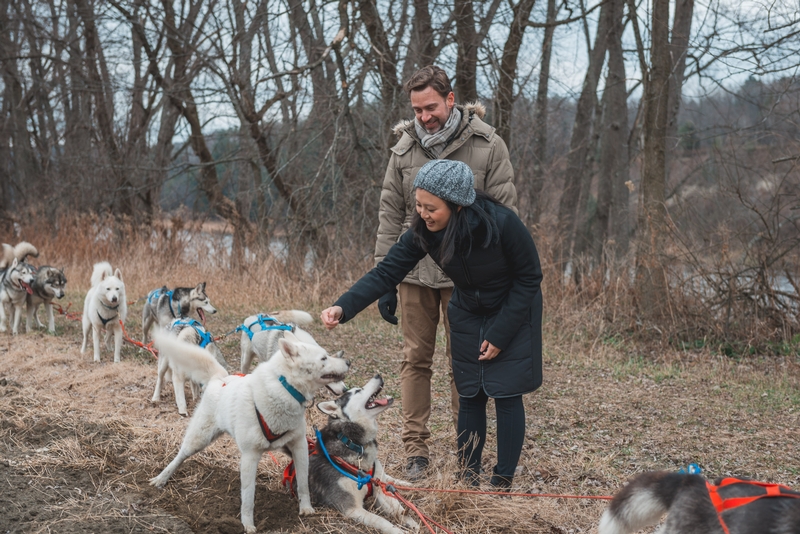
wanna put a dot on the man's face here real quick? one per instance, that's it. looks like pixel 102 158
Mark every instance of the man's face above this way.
pixel 431 109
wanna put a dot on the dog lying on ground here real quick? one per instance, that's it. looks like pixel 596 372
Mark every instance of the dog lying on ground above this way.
pixel 260 333
pixel 48 284
pixel 103 309
pixel 163 306
pixel 262 411
pixel 16 277
pixel 693 506
pixel 186 362
pixel 350 436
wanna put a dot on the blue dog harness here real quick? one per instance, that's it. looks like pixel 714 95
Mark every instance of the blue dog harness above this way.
pixel 205 337
pixel 265 322
pixel 155 294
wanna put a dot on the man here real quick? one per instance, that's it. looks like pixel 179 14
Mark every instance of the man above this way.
pixel 440 130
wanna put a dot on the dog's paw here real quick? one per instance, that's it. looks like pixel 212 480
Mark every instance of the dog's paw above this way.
pixel 157 482
pixel 250 530
pixel 410 524
pixel 307 509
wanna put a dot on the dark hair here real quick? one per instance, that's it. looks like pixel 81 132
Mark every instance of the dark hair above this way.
pixel 458 230
pixel 430 76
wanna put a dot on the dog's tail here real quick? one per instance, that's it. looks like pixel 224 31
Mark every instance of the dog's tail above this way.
pixel 24 249
pixel 101 271
pixel 198 360
pixel 643 501
pixel 297 317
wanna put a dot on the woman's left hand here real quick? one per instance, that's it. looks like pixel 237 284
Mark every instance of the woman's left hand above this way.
pixel 488 351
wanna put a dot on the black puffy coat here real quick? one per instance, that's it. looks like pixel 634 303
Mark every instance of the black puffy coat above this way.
pixel 497 297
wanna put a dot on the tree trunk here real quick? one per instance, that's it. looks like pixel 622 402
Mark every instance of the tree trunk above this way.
pixel 508 69
pixel 651 282
pixel 540 116
pixel 466 88
pixel 681 28
pixel 385 60
pixel 577 159
pixel 421 51
pixel 612 224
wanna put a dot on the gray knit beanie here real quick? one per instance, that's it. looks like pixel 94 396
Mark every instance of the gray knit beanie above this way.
pixel 448 180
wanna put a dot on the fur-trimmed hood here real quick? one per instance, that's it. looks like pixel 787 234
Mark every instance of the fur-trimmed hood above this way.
pixel 471 107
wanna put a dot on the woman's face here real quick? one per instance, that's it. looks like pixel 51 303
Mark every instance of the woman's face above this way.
pixel 433 210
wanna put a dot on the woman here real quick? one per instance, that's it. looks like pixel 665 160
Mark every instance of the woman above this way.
pixel 495 312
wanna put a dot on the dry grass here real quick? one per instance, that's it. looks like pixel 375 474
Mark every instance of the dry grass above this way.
pixel 609 408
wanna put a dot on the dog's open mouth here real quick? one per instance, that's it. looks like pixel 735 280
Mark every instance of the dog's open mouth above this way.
pixel 202 315
pixel 375 402
pixel 333 377
pixel 27 287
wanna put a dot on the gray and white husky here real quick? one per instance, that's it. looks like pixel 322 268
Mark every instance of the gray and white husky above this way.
pixel 192 331
pixel 15 281
pixel 48 284
pixel 746 507
pixel 262 411
pixel 15 284
pixel 261 332
pixel 103 309
pixel 164 306
pixel 351 437
pixel 185 362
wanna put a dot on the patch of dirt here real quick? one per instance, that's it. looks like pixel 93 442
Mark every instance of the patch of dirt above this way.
pixel 79 441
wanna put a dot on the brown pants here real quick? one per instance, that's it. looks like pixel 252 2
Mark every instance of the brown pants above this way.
pixel 421 307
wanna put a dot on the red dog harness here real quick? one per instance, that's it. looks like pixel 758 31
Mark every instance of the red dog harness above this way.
pixel 722 504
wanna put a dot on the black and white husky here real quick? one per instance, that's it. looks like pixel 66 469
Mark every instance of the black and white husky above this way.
pixel 164 306
pixel 350 443
pixel 695 506
pixel 16 277
pixel 48 285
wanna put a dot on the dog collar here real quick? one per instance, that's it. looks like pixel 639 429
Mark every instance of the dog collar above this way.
pixel 350 444
pixel 296 394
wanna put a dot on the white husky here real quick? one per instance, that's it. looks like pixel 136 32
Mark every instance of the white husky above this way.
pixel 262 411
pixel 105 306
pixel 260 333
pixel 187 362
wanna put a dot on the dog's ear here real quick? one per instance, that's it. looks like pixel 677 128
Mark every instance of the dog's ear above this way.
pixel 329 408
pixel 288 348
pixel 118 274
pixel 339 354
pixel 201 287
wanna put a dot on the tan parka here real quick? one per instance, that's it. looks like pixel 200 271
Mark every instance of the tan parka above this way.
pixel 477 145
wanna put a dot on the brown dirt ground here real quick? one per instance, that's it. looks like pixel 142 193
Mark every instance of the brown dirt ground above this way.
pixel 79 441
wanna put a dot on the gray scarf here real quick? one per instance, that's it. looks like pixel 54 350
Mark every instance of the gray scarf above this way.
pixel 436 142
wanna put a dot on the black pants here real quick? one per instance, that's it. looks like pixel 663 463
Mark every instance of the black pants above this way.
pixel 472 432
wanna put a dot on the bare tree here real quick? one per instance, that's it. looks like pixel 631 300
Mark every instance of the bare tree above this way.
pixel 651 279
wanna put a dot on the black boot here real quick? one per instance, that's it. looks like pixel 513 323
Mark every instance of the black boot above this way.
pixel 470 477
pixel 501 482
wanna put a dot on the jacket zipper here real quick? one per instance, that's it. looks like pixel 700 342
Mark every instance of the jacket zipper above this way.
pixel 469 278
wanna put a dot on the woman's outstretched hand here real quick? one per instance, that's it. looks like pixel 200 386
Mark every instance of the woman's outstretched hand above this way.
pixel 488 351
pixel 330 316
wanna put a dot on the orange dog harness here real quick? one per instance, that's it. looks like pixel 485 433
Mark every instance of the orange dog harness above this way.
pixel 722 504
